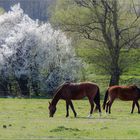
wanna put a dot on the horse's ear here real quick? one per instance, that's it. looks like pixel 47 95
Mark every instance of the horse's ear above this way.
pixel 49 102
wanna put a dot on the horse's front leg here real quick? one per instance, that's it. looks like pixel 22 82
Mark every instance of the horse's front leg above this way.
pixel 72 107
pixel 67 108
pixel 133 106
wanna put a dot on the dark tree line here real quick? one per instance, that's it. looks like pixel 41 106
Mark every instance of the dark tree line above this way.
pixel 36 9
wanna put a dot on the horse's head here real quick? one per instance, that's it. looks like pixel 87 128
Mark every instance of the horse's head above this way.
pixel 52 109
pixel 138 89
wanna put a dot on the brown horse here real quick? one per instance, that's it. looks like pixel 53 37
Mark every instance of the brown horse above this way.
pixel 75 91
pixel 125 93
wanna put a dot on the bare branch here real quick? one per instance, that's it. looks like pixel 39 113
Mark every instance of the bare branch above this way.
pixel 129 40
pixel 135 9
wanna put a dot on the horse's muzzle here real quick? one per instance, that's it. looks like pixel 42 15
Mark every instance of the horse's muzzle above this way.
pixel 51 116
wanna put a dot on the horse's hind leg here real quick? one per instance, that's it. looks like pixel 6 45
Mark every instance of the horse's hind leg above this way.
pixel 98 105
pixel 110 104
pixel 133 106
pixel 91 105
pixel 138 106
pixel 67 108
pixel 107 106
pixel 72 107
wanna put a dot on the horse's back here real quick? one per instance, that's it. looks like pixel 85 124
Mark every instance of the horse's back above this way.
pixel 123 92
pixel 85 86
pixel 80 90
pixel 84 83
pixel 127 89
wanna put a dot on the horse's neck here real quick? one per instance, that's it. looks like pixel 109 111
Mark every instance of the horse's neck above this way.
pixel 55 99
pixel 58 94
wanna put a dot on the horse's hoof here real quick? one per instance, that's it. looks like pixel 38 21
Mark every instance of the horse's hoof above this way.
pixel 106 113
pixel 90 116
pixel 75 115
pixel 67 116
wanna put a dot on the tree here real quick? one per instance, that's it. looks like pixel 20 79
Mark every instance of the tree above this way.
pixel 112 25
pixel 32 54
pixel 36 9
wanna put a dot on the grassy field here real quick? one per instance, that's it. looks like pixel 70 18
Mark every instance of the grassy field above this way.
pixel 28 119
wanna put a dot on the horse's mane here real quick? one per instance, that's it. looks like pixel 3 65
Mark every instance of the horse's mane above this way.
pixel 138 89
pixel 59 88
pixel 135 87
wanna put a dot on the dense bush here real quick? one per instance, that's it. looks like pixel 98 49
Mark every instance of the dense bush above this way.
pixel 34 56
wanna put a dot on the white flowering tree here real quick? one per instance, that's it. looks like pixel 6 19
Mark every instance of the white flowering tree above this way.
pixel 36 55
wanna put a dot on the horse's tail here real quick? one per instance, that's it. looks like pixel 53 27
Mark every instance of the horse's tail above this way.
pixel 105 99
pixel 97 100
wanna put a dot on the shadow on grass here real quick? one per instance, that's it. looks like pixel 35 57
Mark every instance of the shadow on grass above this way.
pixel 99 118
pixel 63 128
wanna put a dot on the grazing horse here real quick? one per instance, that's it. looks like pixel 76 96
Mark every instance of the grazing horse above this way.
pixel 125 93
pixel 75 91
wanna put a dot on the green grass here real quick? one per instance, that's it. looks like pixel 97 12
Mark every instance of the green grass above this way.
pixel 28 119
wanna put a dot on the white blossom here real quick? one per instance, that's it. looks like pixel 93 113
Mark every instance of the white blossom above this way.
pixel 24 43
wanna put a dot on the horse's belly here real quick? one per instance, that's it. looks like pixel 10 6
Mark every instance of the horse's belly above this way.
pixel 73 97
pixel 77 97
pixel 127 98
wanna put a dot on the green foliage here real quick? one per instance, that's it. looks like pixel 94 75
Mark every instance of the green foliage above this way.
pixel 92 55
pixel 28 119
pixel 130 76
pixel 67 13
pixel 1 10
pixel 133 65
pixel 106 33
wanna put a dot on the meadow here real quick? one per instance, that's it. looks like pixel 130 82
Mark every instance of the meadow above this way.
pixel 29 119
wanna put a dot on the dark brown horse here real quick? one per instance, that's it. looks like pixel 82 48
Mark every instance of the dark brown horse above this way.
pixel 75 91
pixel 125 93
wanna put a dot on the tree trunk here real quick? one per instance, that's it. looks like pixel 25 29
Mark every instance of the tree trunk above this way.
pixel 4 89
pixel 114 80
pixel 115 75
pixel 5 85
pixel 35 88
pixel 23 84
